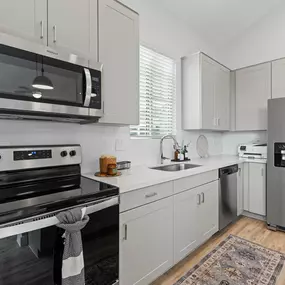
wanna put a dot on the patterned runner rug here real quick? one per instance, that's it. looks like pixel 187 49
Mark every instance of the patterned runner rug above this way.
pixel 236 261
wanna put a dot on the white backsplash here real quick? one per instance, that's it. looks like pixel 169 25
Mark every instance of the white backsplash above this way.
pixel 233 139
pixel 97 140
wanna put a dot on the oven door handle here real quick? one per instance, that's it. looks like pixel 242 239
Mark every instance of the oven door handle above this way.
pixel 107 203
pixel 88 87
pixel 49 219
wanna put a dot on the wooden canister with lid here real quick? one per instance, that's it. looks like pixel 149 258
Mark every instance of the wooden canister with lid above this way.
pixel 105 160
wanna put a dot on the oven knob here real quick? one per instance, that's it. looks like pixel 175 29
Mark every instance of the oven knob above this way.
pixel 63 153
pixel 72 153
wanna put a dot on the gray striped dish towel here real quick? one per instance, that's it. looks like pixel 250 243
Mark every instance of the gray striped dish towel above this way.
pixel 73 221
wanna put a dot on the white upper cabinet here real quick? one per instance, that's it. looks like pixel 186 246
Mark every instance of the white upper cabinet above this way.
pixel 25 19
pixel 67 26
pixel 278 76
pixel 119 52
pixel 72 26
pixel 205 94
pixel 208 92
pixel 222 98
pixel 253 89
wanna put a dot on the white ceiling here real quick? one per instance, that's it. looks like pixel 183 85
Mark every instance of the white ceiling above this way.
pixel 219 21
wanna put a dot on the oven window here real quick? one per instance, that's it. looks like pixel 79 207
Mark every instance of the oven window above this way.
pixel 19 69
pixel 36 257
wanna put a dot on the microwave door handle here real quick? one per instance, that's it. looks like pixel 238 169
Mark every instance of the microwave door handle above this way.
pixel 88 85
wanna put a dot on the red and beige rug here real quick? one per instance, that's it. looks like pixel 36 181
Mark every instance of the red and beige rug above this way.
pixel 236 261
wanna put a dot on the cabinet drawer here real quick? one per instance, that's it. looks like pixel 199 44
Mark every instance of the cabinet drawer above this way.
pixel 146 195
pixel 194 181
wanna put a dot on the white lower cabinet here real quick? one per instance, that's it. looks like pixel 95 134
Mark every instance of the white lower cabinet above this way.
pixel 245 186
pixel 257 188
pixel 208 212
pixel 157 235
pixel 195 218
pixel 240 189
pixel 146 242
pixel 254 182
pixel 185 223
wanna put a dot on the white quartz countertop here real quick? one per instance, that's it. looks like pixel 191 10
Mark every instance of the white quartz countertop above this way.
pixel 142 176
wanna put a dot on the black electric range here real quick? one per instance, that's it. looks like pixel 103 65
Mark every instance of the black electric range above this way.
pixel 36 183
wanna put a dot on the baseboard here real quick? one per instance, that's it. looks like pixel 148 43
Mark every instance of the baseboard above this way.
pixel 254 216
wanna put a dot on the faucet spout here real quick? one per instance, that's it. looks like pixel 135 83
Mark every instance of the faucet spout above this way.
pixel 162 157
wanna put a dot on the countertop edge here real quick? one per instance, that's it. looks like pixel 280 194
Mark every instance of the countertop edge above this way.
pixel 211 164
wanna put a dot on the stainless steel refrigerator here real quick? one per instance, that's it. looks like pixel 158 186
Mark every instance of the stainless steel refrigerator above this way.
pixel 276 164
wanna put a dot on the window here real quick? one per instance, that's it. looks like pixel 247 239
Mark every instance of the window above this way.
pixel 157 95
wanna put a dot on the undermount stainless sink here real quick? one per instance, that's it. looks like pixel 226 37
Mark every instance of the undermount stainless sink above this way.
pixel 175 167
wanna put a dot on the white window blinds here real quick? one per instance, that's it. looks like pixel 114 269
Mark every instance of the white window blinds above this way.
pixel 157 95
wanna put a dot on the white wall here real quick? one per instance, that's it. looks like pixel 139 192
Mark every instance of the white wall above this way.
pixel 232 140
pixel 264 41
pixel 159 31
pixel 166 33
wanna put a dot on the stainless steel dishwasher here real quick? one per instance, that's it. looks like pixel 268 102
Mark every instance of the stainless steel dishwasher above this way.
pixel 227 195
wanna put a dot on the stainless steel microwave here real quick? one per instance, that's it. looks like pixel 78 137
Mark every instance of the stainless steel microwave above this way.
pixel 36 84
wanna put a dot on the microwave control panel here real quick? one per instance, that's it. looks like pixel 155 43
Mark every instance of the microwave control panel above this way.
pixel 96 98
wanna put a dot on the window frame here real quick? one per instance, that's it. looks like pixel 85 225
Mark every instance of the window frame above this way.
pixel 172 122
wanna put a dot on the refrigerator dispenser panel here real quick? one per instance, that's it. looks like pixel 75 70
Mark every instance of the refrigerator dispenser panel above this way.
pixel 279 154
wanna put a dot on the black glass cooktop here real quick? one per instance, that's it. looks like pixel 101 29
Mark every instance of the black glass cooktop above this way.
pixel 24 194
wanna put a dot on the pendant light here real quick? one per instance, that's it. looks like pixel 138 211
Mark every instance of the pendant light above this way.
pixel 42 82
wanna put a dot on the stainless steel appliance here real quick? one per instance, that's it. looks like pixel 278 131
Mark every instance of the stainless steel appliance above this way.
pixel 35 83
pixel 35 184
pixel 227 195
pixel 276 164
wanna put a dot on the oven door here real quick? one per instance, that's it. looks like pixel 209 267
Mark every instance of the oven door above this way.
pixel 31 253
pixel 35 82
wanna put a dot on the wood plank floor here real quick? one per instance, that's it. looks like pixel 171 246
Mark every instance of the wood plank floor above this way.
pixel 247 228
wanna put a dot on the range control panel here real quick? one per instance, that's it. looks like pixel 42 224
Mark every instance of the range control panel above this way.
pixel 32 154
pixel 27 157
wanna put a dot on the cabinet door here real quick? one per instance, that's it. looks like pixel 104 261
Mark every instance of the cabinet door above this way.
pixel 26 19
pixel 240 190
pixel 246 186
pixel 119 52
pixel 73 26
pixel 257 188
pixel 185 223
pixel 278 75
pixel 253 89
pixel 222 98
pixel 208 211
pixel 146 242
pixel 208 93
